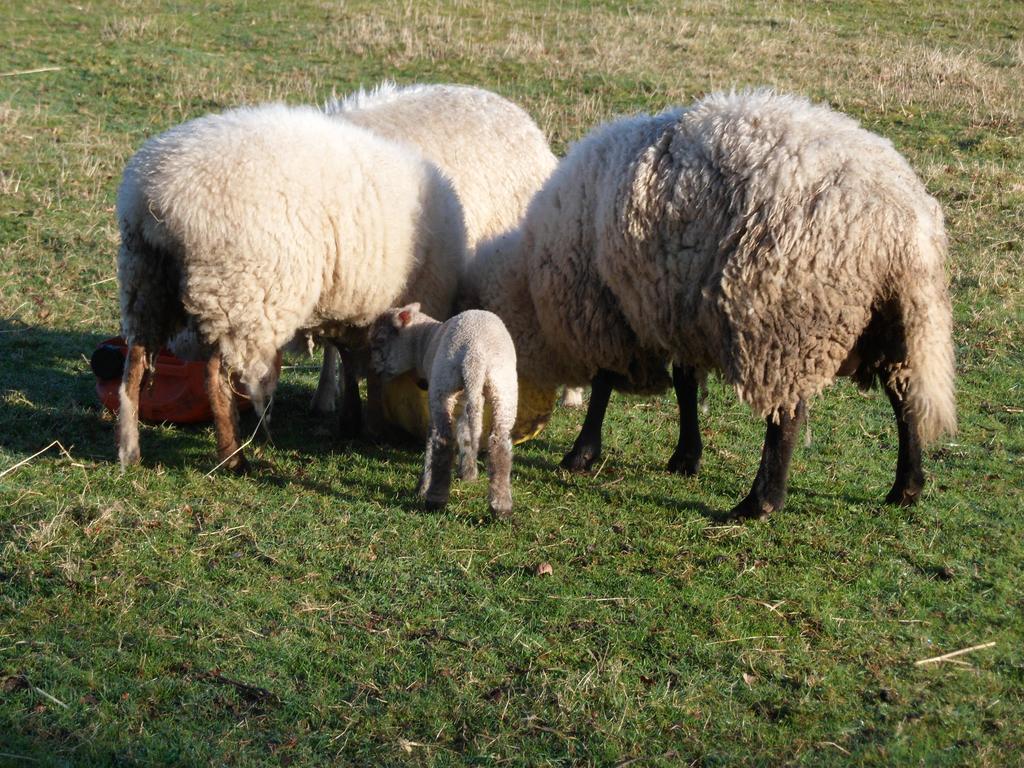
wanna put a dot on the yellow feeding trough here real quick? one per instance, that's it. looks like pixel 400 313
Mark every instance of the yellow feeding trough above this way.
pixel 405 406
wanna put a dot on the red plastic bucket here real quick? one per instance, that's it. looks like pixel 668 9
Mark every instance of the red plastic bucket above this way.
pixel 176 392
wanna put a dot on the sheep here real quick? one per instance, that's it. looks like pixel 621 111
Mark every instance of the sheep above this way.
pixel 471 355
pixel 492 151
pixel 258 223
pixel 753 234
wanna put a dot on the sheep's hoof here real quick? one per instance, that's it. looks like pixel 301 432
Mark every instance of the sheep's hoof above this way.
pixel 129 458
pixel 751 509
pixel 238 465
pixel 681 464
pixel 350 426
pixel 580 460
pixel 903 496
pixel 501 511
pixel 468 474
pixel 434 504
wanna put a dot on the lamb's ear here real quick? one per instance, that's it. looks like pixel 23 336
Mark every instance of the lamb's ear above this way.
pixel 404 316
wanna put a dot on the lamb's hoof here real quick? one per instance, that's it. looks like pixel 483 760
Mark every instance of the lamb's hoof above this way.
pixel 468 474
pixel 129 458
pixel 751 509
pixel 903 496
pixel 580 460
pixel 682 464
pixel 501 511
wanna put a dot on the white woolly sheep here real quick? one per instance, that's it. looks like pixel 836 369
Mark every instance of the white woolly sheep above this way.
pixel 469 358
pixel 258 223
pixel 755 234
pixel 490 149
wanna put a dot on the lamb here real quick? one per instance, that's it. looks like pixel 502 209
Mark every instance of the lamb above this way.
pixel 258 223
pixel 492 151
pixel 753 234
pixel 470 355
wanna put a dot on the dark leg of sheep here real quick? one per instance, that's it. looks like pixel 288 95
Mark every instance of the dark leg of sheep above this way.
pixel 769 490
pixel 225 416
pixel 686 458
pixel 350 421
pixel 587 448
pixel 909 475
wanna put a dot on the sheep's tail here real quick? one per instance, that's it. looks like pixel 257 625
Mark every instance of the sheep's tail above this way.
pixel 927 318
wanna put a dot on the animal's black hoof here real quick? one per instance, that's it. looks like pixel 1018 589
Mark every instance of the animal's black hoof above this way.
pixel 434 505
pixel 903 497
pixel 682 464
pixel 751 508
pixel 580 460
pixel 349 427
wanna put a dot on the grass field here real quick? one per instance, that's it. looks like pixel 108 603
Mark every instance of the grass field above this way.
pixel 311 614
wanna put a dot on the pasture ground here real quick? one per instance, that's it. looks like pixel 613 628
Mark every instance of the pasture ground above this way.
pixel 311 614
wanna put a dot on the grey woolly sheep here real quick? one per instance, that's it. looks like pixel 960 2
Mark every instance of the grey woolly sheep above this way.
pixel 492 151
pixel 258 223
pixel 469 357
pixel 754 234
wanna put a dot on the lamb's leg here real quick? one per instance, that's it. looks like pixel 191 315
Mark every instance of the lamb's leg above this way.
pixel 504 402
pixel 225 416
pixel 686 458
pixel 128 412
pixel 572 397
pixel 350 421
pixel 587 448
pixel 325 399
pixel 909 475
pixel 468 430
pixel 440 452
pixel 769 490
pixel 499 474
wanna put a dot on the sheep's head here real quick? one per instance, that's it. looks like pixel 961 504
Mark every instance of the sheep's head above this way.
pixel 392 349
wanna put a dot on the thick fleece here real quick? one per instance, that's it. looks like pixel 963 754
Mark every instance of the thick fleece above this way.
pixel 258 223
pixel 489 148
pixel 469 358
pixel 755 234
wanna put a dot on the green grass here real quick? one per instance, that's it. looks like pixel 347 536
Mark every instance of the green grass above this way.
pixel 312 614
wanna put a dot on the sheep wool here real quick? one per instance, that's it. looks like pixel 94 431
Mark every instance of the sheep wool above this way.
pixel 257 223
pixel 465 359
pixel 755 234
pixel 491 149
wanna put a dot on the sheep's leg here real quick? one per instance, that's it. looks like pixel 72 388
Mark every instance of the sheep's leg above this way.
pixel 499 474
pixel 325 399
pixel 909 475
pixel 769 491
pixel 587 448
pixel 468 431
pixel 441 449
pixel 499 448
pixel 128 412
pixel 225 416
pixel 350 421
pixel 374 418
pixel 572 397
pixel 686 458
